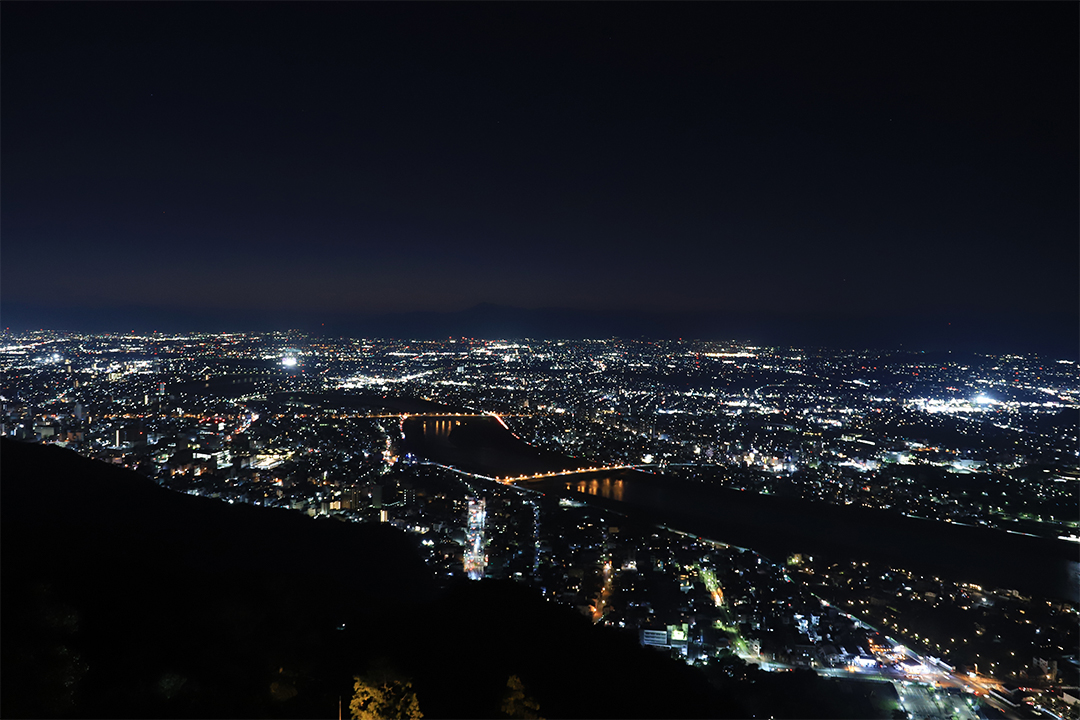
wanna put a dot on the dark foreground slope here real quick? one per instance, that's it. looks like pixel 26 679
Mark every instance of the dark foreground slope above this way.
pixel 122 599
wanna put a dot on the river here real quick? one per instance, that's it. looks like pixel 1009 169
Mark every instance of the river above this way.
pixel 773 526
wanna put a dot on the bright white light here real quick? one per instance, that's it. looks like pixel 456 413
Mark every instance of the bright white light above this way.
pixel 983 400
pixel 288 361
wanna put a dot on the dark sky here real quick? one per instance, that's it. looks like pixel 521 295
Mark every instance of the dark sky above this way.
pixel 868 160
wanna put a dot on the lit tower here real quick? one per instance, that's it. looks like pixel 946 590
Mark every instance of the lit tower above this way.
pixel 475 558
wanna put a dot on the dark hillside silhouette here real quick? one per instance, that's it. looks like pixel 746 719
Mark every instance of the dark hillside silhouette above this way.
pixel 123 599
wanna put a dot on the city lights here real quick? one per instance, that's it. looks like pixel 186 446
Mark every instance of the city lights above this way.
pixel 459 444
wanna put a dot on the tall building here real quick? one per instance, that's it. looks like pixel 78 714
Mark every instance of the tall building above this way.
pixel 475 557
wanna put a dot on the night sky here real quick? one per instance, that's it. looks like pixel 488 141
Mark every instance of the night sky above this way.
pixel 841 165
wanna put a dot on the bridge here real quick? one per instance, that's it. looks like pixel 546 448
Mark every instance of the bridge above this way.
pixel 508 479
pixel 511 479
pixel 406 416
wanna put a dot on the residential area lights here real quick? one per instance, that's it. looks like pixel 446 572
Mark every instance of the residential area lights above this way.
pixel 224 416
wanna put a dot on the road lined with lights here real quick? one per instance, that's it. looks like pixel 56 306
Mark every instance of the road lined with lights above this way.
pixel 563 473
pixel 914 676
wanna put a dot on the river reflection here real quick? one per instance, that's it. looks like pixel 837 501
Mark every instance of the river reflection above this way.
pixel 773 526
pixel 607 487
pixel 438 430
pixel 779 527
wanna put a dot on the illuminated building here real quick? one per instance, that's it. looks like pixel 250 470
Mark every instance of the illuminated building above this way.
pixel 475 558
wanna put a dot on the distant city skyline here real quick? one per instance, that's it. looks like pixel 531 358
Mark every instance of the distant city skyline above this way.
pixel 843 174
pixel 1051 335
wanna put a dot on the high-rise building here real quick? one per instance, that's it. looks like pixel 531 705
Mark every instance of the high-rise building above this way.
pixel 475 557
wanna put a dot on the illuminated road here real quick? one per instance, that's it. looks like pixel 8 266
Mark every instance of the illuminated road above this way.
pixel 512 480
pixel 563 473
pixel 918 676
pixel 422 416
pixel 922 682
pixel 923 696
pixel 712 585
pixel 923 685
pixel 918 702
pixel 507 479
pixel 605 594
pixel 925 703
pixel 725 623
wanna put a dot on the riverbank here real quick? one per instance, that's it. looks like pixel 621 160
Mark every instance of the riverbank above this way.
pixel 774 526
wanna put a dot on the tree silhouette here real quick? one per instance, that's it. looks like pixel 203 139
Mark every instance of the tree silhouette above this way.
pixel 516 704
pixel 383 694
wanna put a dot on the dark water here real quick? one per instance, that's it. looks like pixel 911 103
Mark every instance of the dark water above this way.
pixel 771 525
pixel 777 527
pixel 480 445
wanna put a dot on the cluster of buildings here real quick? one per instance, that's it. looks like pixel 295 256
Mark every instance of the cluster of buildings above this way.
pixel 314 425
